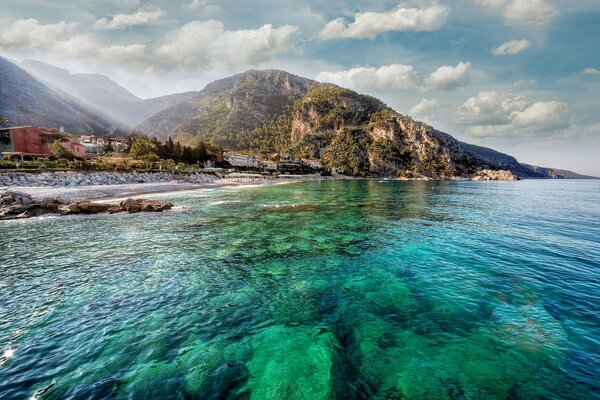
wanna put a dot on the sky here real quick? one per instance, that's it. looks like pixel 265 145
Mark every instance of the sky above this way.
pixel 520 76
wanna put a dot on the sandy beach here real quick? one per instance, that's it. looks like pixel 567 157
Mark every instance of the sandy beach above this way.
pixel 110 193
pixel 113 192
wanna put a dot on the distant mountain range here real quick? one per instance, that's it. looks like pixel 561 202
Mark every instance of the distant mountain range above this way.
pixel 262 111
pixel 101 95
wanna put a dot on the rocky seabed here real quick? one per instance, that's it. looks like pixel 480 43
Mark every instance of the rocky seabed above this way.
pixel 73 179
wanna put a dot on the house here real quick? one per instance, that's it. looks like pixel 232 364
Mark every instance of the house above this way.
pixel 242 160
pixel 33 141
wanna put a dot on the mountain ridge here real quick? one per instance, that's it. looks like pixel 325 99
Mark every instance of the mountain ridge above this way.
pixel 26 101
pixel 264 111
pixel 101 94
pixel 274 111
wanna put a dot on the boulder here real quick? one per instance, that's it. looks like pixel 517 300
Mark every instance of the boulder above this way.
pixel 495 175
pixel 72 208
pixel 130 205
pixel 11 211
pixel 88 207
pixel 51 203
pixel 154 205
pixel 12 197
pixel 114 210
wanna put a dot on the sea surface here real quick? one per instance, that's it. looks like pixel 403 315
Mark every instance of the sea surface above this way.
pixel 330 290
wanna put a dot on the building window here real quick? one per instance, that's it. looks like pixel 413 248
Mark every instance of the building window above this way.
pixel 5 137
pixel 48 139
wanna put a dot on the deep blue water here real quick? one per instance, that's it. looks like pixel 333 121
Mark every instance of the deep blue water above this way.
pixel 345 290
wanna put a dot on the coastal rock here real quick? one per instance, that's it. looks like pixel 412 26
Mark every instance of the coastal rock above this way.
pixel 51 204
pixel 495 175
pixel 72 208
pixel 88 207
pixel 11 211
pixel 16 205
pixel 12 197
pixel 153 205
pixel 130 206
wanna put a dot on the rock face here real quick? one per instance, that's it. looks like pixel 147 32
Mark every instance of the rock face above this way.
pixel 15 205
pixel 72 178
pixel 495 175
pixel 360 135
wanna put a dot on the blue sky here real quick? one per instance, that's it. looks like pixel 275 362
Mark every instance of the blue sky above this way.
pixel 521 76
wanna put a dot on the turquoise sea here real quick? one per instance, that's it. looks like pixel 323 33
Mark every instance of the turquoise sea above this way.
pixel 330 290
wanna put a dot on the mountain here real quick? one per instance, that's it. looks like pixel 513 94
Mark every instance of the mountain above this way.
pixel 26 101
pixel 504 161
pixel 226 107
pixel 274 111
pixel 101 94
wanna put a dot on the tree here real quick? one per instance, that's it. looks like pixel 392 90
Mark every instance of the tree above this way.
pixel 3 120
pixel 61 152
pixel 142 146
pixel 109 148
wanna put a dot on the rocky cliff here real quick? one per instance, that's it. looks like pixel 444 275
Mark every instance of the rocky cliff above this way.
pixel 360 135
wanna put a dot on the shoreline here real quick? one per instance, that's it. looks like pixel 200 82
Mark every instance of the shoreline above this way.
pixel 113 193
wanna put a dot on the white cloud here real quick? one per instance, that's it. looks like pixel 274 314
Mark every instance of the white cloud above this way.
pixel 425 109
pixel 395 76
pixel 543 115
pixel 399 77
pixel 524 83
pixel 30 34
pixel 512 47
pixel 206 44
pixel 370 24
pixel 591 71
pixel 492 113
pixel 449 78
pixel 489 108
pixel 203 6
pixel 524 12
pixel 145 16
pixel 198 44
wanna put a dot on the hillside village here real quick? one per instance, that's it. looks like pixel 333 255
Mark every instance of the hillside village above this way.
pixel 22 144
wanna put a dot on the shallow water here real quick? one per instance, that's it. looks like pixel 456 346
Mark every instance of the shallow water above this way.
pixel 346 290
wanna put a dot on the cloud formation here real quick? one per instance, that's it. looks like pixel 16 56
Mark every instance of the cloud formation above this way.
pixel 512 47
pixel 196 45
pixel 449 78
pixel 370 24
pixel 145 16
pixel 591 71
pixel 395 76
pixel 491 113
pixel 206 44
pixel 30 34
pixel 400 77
pixel 524 12
pixel 424 110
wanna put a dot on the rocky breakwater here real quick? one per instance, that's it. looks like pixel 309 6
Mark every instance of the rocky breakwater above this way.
pixel 17 205
pixel 80 178
pixel 494 175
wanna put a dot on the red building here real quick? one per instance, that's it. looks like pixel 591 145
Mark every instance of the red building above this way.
pixel 33 141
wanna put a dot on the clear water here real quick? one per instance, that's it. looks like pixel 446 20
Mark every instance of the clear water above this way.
pixel 363 290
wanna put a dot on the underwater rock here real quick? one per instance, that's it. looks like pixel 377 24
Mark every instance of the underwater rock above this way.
pixel 379 292
pixel 295 303
pixel 195 363
pixel 156 379
pixel 290 207
pixel 291 363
